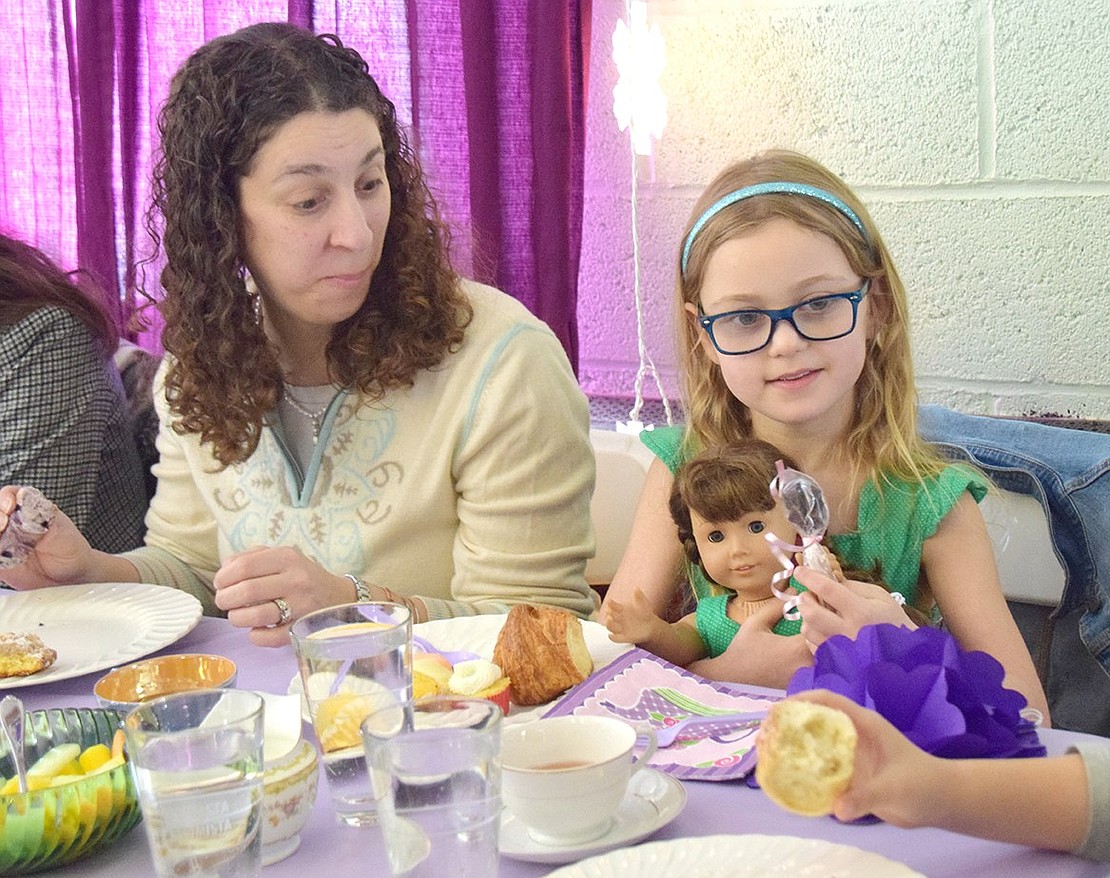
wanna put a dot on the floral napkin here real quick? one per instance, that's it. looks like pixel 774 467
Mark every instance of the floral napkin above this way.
pixel 644 689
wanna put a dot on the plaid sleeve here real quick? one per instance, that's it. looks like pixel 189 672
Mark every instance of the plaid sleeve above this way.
pixel 64 426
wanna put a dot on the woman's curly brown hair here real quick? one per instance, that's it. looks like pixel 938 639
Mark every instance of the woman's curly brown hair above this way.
pixel 227 100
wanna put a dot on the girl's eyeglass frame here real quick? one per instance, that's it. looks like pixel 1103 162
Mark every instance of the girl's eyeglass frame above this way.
pixel 706 321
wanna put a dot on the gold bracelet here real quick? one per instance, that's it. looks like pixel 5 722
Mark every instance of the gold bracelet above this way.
pixel 362 590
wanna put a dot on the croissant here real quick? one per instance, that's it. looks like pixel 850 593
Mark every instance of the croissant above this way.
pixel 543 651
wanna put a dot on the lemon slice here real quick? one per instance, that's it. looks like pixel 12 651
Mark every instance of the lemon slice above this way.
pixel 114 762
pixel 338 718
pixel 62 779
pixel 423 685
pixel 11 787
pixel 349 630
pixel 55 760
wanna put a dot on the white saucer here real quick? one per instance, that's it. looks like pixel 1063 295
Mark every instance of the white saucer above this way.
pixel 653 800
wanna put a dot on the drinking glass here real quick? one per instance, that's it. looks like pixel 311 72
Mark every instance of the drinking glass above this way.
pixel 197 762
pixel 353 659
pixel 436 776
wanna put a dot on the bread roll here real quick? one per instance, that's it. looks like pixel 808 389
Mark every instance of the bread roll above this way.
pixel 806 754
pixel 541 649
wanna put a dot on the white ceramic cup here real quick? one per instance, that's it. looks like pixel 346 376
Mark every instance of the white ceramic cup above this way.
pixel 564 777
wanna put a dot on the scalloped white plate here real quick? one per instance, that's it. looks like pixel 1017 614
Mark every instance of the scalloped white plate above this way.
pixel 738 856
pixel 478 634
pixel 97 626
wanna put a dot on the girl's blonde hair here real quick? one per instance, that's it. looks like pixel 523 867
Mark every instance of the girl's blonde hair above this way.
pixel 883 437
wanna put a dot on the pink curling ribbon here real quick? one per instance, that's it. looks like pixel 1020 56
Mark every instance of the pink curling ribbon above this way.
pixel 784 552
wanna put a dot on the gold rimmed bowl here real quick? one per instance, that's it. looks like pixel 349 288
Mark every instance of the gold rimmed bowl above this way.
pixel 127 686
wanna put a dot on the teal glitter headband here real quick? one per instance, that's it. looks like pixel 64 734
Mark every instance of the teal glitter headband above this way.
pixel 776 188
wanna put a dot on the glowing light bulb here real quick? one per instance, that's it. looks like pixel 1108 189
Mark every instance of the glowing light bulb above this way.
pixel 638 100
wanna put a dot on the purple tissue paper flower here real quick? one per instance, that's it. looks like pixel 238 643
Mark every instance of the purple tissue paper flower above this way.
pixel 947 700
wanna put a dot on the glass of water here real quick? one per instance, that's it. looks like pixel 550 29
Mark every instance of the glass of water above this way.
pixel 354 659
pixel 435 771
pixel 197 762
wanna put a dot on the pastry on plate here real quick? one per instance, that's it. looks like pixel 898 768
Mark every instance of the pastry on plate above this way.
pixel 543 651
pixel 22 654
pixel 477 678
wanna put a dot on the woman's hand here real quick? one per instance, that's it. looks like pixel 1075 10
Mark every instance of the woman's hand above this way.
pixel 831 607
pixel 252 586
pixel 757 655
pixel 61 556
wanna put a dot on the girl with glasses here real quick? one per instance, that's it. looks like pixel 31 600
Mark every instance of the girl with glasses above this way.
pixel 794 330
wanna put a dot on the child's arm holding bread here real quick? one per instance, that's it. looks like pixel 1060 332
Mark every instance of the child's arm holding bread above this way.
pixel 1041 802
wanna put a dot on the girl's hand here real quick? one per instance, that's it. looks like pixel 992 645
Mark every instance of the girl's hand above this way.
pixel 889 770
pixel 757 655
pixel 61 556
pixel 249 584
pixel 831 607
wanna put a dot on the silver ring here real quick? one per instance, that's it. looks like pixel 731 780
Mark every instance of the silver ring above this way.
pixel 283 608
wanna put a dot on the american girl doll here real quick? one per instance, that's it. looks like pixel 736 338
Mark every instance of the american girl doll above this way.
pixel 794 330
pixel 724 513
pixel 723 510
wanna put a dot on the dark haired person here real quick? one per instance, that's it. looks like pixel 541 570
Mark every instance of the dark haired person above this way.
pixel 342 416
pixel 63 424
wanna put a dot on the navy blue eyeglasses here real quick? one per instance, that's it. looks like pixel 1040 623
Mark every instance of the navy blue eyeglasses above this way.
pixel 821 319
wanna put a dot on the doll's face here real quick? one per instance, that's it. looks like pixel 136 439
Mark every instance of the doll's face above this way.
pixel 736 554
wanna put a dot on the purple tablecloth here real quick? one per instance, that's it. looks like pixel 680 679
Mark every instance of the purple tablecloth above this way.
pixel 328 849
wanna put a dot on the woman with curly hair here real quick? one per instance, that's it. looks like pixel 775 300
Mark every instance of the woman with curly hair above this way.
pixel 342 416
pixel 65 426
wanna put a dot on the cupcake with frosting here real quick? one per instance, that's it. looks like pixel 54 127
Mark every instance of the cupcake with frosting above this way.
pixel 479 678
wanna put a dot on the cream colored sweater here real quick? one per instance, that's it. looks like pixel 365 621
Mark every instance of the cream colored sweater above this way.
pixel 471 489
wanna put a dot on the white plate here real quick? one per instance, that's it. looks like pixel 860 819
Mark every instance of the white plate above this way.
pixel 738 856
pixel 478 634
pixel 653 800
pixel 97 626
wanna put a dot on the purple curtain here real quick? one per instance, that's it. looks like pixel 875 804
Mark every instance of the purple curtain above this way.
pixel 492 90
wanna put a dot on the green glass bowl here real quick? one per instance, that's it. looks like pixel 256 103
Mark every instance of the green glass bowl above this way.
pixel 57 825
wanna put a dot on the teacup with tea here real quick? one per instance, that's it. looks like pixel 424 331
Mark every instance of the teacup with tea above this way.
pixel 564 777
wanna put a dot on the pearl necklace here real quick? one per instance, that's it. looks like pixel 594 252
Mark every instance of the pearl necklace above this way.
pixel 314 418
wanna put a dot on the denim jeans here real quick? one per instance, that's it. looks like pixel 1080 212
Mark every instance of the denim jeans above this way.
pixel 1068 471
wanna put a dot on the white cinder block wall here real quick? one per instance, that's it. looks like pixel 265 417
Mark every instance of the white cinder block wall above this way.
pixel 978 134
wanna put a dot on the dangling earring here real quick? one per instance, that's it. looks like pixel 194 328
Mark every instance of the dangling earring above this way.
pixel 251 289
